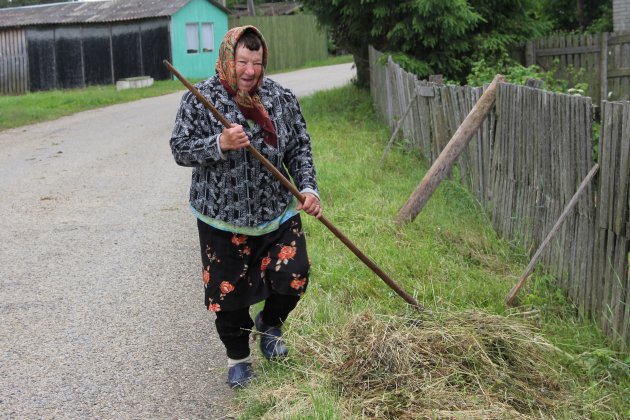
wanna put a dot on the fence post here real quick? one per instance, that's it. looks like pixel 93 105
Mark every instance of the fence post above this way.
pixel 445 161
pixel 530 54
pixel 509 300
pixel 388 76
pixel 603 68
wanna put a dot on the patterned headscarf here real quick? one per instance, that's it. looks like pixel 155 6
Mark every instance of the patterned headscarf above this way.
pixel 248 102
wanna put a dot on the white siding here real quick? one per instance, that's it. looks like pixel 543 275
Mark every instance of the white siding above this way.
pixel 621 15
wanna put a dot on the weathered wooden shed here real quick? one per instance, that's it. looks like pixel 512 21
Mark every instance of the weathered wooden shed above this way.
pixel 77 44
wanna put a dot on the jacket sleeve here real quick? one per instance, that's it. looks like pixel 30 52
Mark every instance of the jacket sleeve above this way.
pixel 195 138
pixel 298 156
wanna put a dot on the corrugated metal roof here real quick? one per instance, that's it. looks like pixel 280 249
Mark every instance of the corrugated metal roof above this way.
pixel 92 12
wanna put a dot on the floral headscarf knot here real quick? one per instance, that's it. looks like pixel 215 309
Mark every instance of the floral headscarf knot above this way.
pixel 248 102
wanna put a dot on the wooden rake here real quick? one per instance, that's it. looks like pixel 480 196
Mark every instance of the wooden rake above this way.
pixel 287 184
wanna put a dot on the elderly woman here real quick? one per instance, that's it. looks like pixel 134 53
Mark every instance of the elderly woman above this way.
pixel 252 243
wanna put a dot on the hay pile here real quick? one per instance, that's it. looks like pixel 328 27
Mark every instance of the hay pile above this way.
pixel 453 365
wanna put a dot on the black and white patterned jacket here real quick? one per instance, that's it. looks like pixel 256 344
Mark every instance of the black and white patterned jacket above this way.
pixel 235 187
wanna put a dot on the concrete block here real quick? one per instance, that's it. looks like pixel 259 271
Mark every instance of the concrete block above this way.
pixel 134 82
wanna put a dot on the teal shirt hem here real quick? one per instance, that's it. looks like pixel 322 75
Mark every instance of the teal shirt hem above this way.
pixel 259 230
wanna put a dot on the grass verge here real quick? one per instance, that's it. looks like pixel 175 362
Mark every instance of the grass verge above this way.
pixel 359 351
pixel 16 111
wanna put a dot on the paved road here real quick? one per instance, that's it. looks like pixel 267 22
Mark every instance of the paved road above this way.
pixel 100 296
pixel 306 82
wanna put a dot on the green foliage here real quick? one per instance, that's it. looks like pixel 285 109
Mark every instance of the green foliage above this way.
pixel 433 36
pixel 411 64
pixel 604 22
pixel 545 295
pixel 604 362
pixel 597 128
pixel 578 15
pixel 484 71
pixel 350 23
pixel 506 23
pixel 600 362
pixel 434 32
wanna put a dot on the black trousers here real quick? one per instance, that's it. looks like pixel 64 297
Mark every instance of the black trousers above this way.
pixel 234 326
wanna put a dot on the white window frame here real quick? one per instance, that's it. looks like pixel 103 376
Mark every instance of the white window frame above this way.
pixel 192 38
pixel 207 38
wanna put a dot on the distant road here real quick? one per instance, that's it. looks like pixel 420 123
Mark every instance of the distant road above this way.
pixel 308 81
pixel 101 301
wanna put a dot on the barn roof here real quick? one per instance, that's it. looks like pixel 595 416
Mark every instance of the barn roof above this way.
pixel 92 12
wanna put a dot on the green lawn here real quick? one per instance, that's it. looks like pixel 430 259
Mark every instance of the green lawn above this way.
pixel 348 333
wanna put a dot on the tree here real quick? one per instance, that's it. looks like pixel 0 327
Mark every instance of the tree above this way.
pixel 579 15
pixel 350 23
pixel 429 36
pixel 433 36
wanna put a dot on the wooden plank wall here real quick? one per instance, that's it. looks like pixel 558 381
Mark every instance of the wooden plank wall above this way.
pixel 524 165
pixel 570 53
pixel 543 151
pixel 600 60
pixel 619 66
pixel 611 280
pixel 13 62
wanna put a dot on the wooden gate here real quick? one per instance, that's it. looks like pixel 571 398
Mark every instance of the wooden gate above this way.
pixel 604 60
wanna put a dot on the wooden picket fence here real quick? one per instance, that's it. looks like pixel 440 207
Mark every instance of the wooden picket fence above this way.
pixel 524 165
pixel 600 60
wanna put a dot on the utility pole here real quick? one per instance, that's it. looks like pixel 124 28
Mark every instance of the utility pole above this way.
pixel 251 11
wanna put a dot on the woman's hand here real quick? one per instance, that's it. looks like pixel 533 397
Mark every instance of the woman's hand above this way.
pixel 311 205
pixel 233 138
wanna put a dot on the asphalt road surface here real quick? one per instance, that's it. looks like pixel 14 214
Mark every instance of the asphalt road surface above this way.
pixel 101 300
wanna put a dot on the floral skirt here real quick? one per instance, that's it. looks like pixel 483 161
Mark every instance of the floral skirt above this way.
pixel 240 270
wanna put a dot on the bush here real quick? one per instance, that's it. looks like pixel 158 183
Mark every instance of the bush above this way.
pixel 484 71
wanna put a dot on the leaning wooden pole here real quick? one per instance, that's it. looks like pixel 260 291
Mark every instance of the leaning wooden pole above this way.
pixel 509 300
pixel 390 143
pixel 289 185
pixel 444 163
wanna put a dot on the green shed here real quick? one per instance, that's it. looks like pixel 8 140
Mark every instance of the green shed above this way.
pixel 197 30
pixel 78 44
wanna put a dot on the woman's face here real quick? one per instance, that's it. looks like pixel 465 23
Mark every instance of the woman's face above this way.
pixel 249 67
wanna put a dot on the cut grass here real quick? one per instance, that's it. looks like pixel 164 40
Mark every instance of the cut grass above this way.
pixel 453 262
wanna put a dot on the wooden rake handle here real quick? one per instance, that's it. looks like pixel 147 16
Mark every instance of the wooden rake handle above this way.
pixel 287 184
